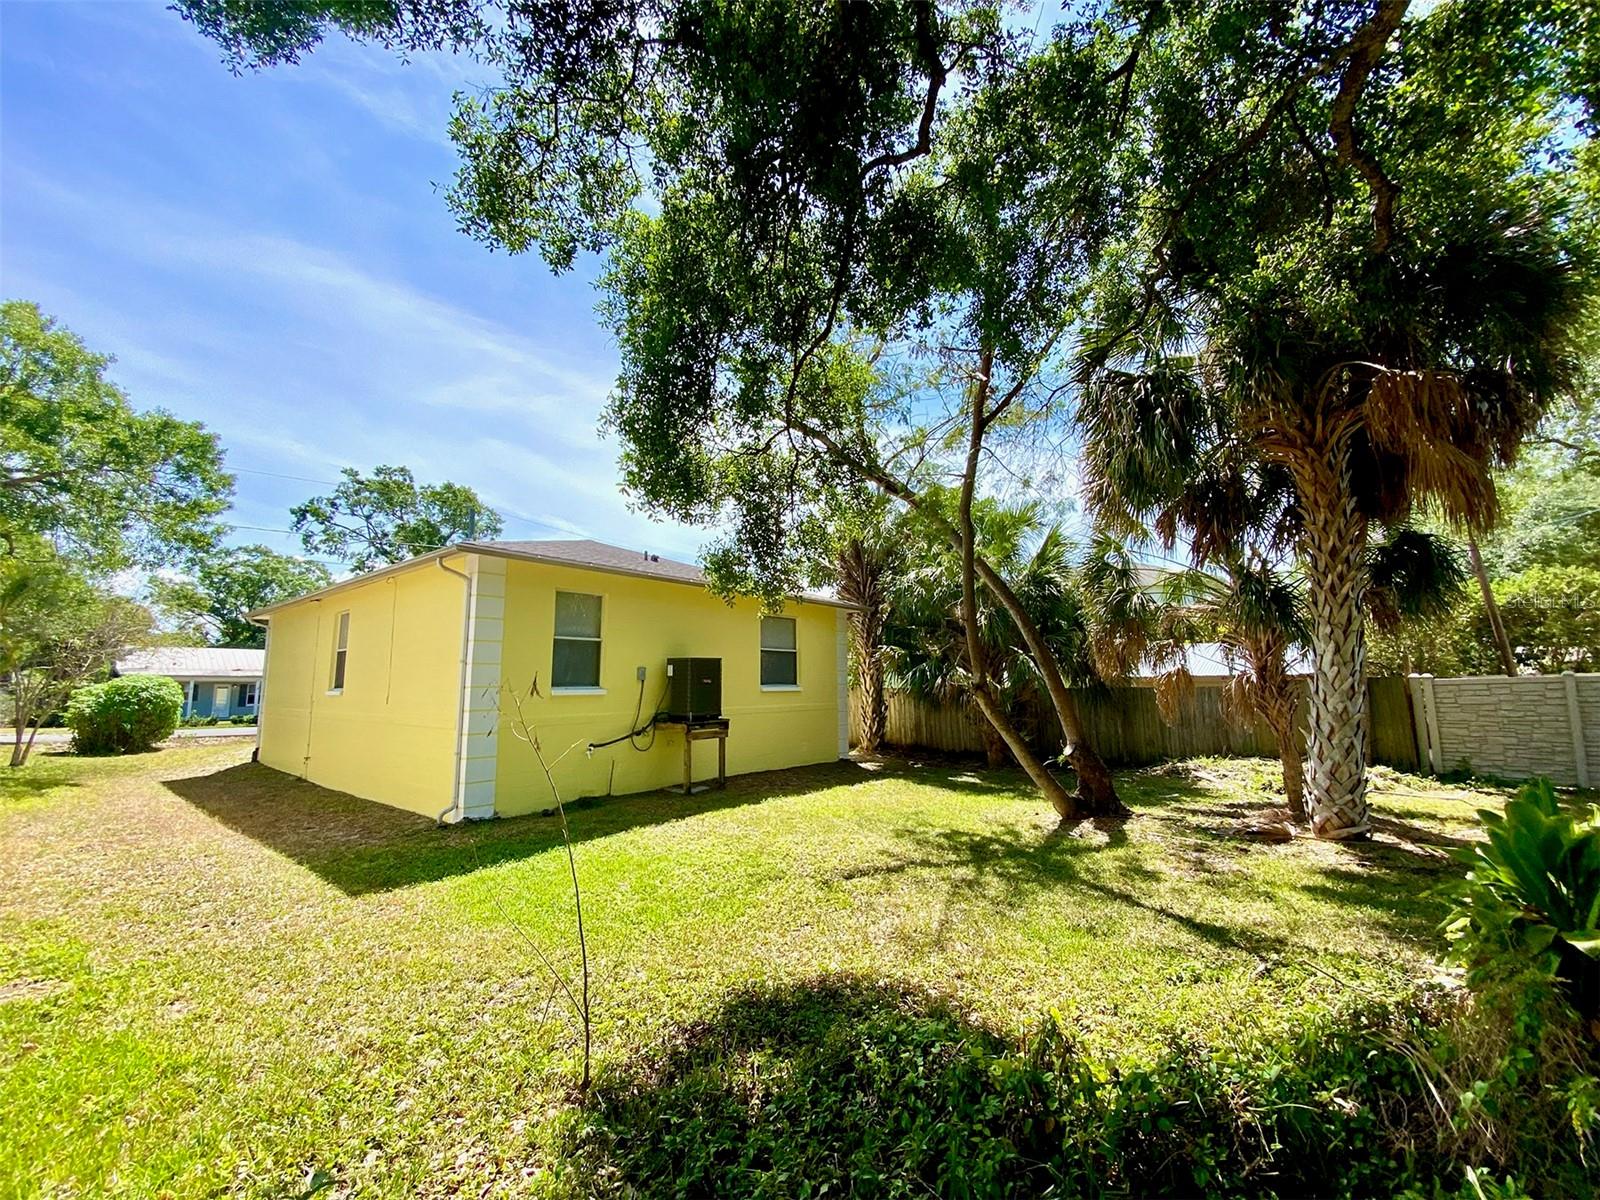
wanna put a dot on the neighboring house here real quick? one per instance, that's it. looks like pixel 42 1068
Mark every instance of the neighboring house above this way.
pixel 1208 662
pixel 391 685
pixel 217 681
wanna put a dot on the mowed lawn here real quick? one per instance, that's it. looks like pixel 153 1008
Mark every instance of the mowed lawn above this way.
pixel 218 979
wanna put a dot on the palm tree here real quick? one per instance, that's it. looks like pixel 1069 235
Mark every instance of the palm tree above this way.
pixel 929 655
pixel 1254 612
pixel 867 551
pixel 1381 325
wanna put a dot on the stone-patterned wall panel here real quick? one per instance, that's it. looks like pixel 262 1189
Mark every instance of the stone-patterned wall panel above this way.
pixel 1512 728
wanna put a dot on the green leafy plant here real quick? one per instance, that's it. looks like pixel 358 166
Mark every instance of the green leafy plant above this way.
pixel 123 716
pixel 1532 896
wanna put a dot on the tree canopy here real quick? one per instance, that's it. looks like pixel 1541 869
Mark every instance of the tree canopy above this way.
pixel 58 630
pixel 230 583
pixel 387 517
pixel 1344 248
pixel 80 467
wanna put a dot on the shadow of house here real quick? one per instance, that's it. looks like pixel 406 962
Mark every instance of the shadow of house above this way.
pixel 362 847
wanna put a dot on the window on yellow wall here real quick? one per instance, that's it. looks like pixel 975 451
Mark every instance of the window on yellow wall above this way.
pixel 780 656
pixel 576 659
pixel 341 650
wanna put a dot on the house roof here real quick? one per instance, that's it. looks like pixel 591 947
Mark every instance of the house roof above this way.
pixel 582 553
pixel 193 662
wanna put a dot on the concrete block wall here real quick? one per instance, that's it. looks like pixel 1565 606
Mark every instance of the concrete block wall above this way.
pixel 1512 727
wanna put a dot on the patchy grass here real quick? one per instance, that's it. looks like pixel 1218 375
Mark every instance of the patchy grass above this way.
pixel 216 978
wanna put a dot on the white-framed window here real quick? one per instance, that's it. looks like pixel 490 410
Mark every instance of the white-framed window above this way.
pixel 575 659
pixel 247 695
pixel 341 651
pixel 780 654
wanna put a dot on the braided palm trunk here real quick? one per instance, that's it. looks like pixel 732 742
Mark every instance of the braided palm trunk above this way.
pixel 1334 544
pixel 874 704
pixel 1273 696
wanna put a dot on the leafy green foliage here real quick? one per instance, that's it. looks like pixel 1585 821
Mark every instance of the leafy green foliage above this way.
pixel 1533 890
pixel 927 649
pixel 882 1091
pixel 1552 616
pixel 1552 509
pixel 111 486
pixel 124 716
pixel 387 517
pixel 229 583
pixel 58 630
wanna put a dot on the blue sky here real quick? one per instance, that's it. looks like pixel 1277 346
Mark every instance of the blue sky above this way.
pixel 271 254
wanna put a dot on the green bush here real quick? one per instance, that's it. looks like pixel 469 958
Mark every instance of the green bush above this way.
pixel 854 1088
pixel 123 716
pixel 1531 898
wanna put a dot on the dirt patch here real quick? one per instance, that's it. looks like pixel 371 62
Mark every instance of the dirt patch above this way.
pixel 18 990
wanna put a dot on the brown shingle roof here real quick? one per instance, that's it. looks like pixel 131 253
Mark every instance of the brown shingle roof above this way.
pixel 571 552
pixel 582 552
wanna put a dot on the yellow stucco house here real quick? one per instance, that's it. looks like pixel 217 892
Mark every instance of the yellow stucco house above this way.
pixel 392 685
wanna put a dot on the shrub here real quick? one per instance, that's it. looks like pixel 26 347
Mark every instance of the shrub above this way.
pixel 861 1089
pixel 123 716
pixel 1531 898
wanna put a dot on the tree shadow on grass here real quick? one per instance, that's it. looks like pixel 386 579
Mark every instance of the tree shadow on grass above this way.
pixel 19 782
pixel 847 1086
pixel 1005 867
pixel 834 1085
pixel 361 846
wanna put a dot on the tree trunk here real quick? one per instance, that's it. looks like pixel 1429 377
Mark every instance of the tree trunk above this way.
pixel 874 704
pixel 987 704
pixel 995 752
pixel 1334 544
pixel 1497 628
pixel 1060 799
pixel 21 748
pixel 1097 791
pixel 1294 772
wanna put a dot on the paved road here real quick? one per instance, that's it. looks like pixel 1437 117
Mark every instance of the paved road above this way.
pixel 50 737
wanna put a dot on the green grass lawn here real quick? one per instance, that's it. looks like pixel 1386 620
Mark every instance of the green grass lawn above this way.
pixel 218 979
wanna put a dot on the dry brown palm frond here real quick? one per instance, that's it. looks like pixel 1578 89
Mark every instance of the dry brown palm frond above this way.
pixel 1174 689
pixel 1432 421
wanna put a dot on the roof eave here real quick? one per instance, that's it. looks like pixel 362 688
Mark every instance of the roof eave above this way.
pixel 261 615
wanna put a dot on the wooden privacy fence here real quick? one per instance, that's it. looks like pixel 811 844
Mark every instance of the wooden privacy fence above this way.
pixel 1125 726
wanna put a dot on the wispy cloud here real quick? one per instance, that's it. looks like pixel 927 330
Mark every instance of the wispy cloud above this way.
pixel 266 254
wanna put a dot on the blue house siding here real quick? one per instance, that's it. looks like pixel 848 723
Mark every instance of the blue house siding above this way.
pixel 200 698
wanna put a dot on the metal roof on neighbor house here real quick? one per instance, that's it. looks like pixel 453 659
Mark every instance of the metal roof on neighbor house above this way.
pixel 1209 660
pixel 193 662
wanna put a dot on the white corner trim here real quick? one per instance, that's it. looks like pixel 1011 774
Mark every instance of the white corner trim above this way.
pixel 478 744
pixel 842 697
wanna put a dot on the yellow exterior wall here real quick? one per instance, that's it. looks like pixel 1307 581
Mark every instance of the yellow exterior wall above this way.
pixel 391 734
pixel 643 623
